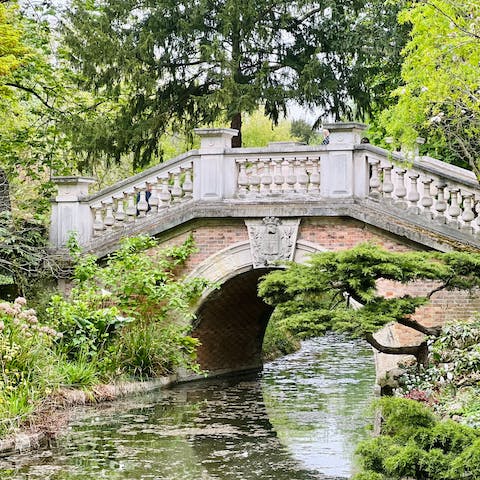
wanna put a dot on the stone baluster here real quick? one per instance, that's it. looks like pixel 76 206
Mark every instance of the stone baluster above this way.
pixel 254 180
pixel 120 215
pixel 266 177
pixel 278 178
pixel 476 210
pixel 98 225
pixel 400 189
pixel 242 178
pixel 109 219
pixel 187 182
pixel 374 178
pixel 131 208
pixel 290 177
pixel 164 195
pixel 314 185
pixel 413 196
pixel 454 211
pixel 427 200
pixel 441 204
pixel 177 191
pixel 260 172
pixel 468 216
pixel 142 204
pixel 387 185
pixel 302 176
pixel 154 201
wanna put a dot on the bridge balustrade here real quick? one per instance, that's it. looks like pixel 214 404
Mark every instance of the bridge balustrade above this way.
pixel 215 174
pixel 424 186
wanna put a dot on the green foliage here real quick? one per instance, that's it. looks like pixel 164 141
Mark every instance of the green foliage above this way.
pixel 175 65
pixel 83 372
pixel 149 350
pixel 314 298
pixel 441 75
pixel 278 340
pixel 87 328
pixel 26 362
pixel 130 312
pixel 12 50
pixel 451 380
pixel 304 132
pixel 258 130
pixel 314 292
pixel 414 443
pixel 23 253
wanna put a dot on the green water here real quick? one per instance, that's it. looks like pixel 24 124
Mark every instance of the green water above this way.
pixel 299 419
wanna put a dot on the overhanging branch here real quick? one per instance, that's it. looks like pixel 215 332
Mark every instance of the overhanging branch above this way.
pixel 406 350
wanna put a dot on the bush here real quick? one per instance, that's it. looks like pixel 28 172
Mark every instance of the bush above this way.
pixel 278 340
pixel 27 361
pixel 414 443
pixel 152 350
pixel 131 312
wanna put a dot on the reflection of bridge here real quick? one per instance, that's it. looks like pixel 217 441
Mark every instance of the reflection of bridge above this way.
pixel 248 208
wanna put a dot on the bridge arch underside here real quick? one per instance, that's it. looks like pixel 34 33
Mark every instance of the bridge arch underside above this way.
pixel 230 325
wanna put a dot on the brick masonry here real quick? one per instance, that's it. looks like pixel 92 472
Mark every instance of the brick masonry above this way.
pixel 232 320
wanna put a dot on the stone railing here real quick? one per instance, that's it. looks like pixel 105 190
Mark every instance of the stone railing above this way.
pixel 216 174
pixel 149 193
pixel 427 187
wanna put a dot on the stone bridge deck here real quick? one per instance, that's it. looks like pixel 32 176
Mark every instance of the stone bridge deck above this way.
pixel 249 207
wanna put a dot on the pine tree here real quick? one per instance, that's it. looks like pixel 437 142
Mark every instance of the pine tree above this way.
pixel 317 297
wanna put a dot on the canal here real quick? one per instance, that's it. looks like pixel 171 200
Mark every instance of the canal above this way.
pixel 300 419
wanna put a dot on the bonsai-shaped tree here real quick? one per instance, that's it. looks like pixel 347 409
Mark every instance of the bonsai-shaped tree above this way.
pixel 317 297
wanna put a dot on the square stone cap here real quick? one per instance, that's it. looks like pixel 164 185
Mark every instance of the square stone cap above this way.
pixel 344 126
pixel 215 138
pixel 73 180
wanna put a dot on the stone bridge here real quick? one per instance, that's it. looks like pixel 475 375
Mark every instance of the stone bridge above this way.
pixel 248 208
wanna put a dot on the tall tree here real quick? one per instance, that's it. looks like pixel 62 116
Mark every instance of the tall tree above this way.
pixel 180 63
pixel 12 49
pixel 440 97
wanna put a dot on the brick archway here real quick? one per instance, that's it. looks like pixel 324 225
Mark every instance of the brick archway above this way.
pixel 231 321
pixel 231 324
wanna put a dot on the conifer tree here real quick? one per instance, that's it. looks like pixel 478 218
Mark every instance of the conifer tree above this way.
pixel 317 297
pixel 179 64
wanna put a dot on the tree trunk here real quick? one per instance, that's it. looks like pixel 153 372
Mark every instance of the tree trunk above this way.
pixel 236 123
pixel 5 204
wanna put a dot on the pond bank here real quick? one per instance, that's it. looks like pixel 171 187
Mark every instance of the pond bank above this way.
pixel 53 416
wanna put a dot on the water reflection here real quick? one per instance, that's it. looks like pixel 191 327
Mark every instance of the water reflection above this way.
pixel 298 420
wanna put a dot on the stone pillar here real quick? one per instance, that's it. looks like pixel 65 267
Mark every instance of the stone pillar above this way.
pixel 344 174
pixel 69 214
pixel 215 175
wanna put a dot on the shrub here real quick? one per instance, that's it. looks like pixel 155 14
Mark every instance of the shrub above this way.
pixel 415 444
pixel 131 312
pixel 151 350
pixel 26 361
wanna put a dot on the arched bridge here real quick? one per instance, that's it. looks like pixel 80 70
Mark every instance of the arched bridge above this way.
pixel 249 208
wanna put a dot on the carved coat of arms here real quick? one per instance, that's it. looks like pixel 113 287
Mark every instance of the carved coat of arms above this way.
pixel 272 240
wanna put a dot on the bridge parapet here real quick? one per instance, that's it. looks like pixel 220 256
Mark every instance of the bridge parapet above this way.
pixel 429 190
pixel 436 191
